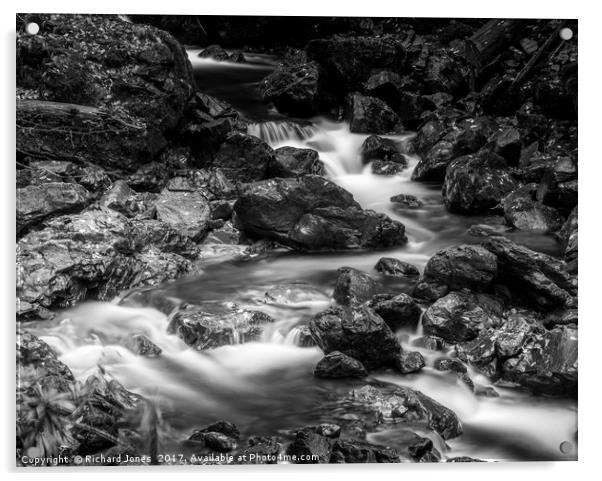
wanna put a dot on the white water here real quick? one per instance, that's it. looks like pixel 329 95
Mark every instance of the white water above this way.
pixel 267 386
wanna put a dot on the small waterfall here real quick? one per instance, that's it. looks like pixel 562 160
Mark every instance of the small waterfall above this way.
pixel 278 132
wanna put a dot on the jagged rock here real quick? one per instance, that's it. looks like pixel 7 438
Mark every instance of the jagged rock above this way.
pixel 476 183
pixel 447 364
pixel 533 278
pixel 204 330
pixel 463 266
pixel 224 427
pixel 293 89
pixel 507 143
pixel 313 213
pixel 359 452
pixel 220 436
pixel 338 365
pixel 244 158
pixel 353 287
pixel 357 332
pixel 259 448
pixel 523 212
pixel 123 199
pixel 460 317
pixel 293 162
pixel 402 404
pixel 309 447
pixel 395 267
pixel 427 136
pixel 371 115
pixel 433 165
pixel 36 203
pixel 432 343
pixel 409 362
pixel 559 185
pixel 429 289
pixel 400 311
pixel 445 71
pixel 188 212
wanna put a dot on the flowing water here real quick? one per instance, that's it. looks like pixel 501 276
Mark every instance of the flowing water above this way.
pixel 267 387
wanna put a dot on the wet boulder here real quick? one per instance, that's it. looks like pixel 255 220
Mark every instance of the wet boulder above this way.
pixel 204 330
pixel 409 362
pixel 140 344
pixel 187 212
pixel 346 63
pixel 427 136
pixel 547 362
pixel 559 186
pixel 476 183
pixel 461 316
pixel 294 89
pixel 429 289
pixel 463 266
pixel 523 212
pixel 371 115
pixel 221 436
pixel 396 268
pixel 36 203
pixel 312 213
pixel 310 447
pixel 533 278
pixel 293 162
pixel 403 404
pixel 339 365
pixel 116 103
pixel 445 71
pixel 357 332
pixel 433 165
pixel 72 255
pixel 244 158
pixel 379 148
pixel 385 85
pixel 507 143
pixel 362 452
pixel 399 312
pixel 353 287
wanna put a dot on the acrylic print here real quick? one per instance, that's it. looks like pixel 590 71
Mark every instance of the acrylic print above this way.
pixel 270 240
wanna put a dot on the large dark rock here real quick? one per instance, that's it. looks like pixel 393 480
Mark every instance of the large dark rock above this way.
pixel 507 143
pixel 362 452
pixel 339 365
pixel 293 162
pixel 396 268
pixel 534 278
pixel 313 213
pixel 244 158
pixel 126 98
pixel 353 287
pixel 379 148
pixel 409 362
pixel 357 332
pixel 523 212
pixel 569 238
pixel 39 202
pixel 445 71
pixel 463 266
pixel 310 447
pixel 371 115
pixel 476 183
pixel 347 62
pixel 293 89
pixel 385 85
pixel 433 165
pixel 204 330
pixel 402 404
pixel 400 311
pixel 559 185
pixel 460 316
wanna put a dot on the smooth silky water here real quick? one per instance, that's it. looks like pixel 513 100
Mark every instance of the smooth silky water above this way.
pixel 267 387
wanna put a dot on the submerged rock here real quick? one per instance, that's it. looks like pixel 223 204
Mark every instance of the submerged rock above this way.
pixel 204 330
pixel 353 287
pixel 338 365
pixel 402 404
pixel 357 332
pixel 312 213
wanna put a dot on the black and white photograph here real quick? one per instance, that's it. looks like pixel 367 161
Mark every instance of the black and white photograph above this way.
pixel 280 239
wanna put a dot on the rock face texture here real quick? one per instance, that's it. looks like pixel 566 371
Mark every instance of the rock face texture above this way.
pixel 312 213
pixel 116 98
